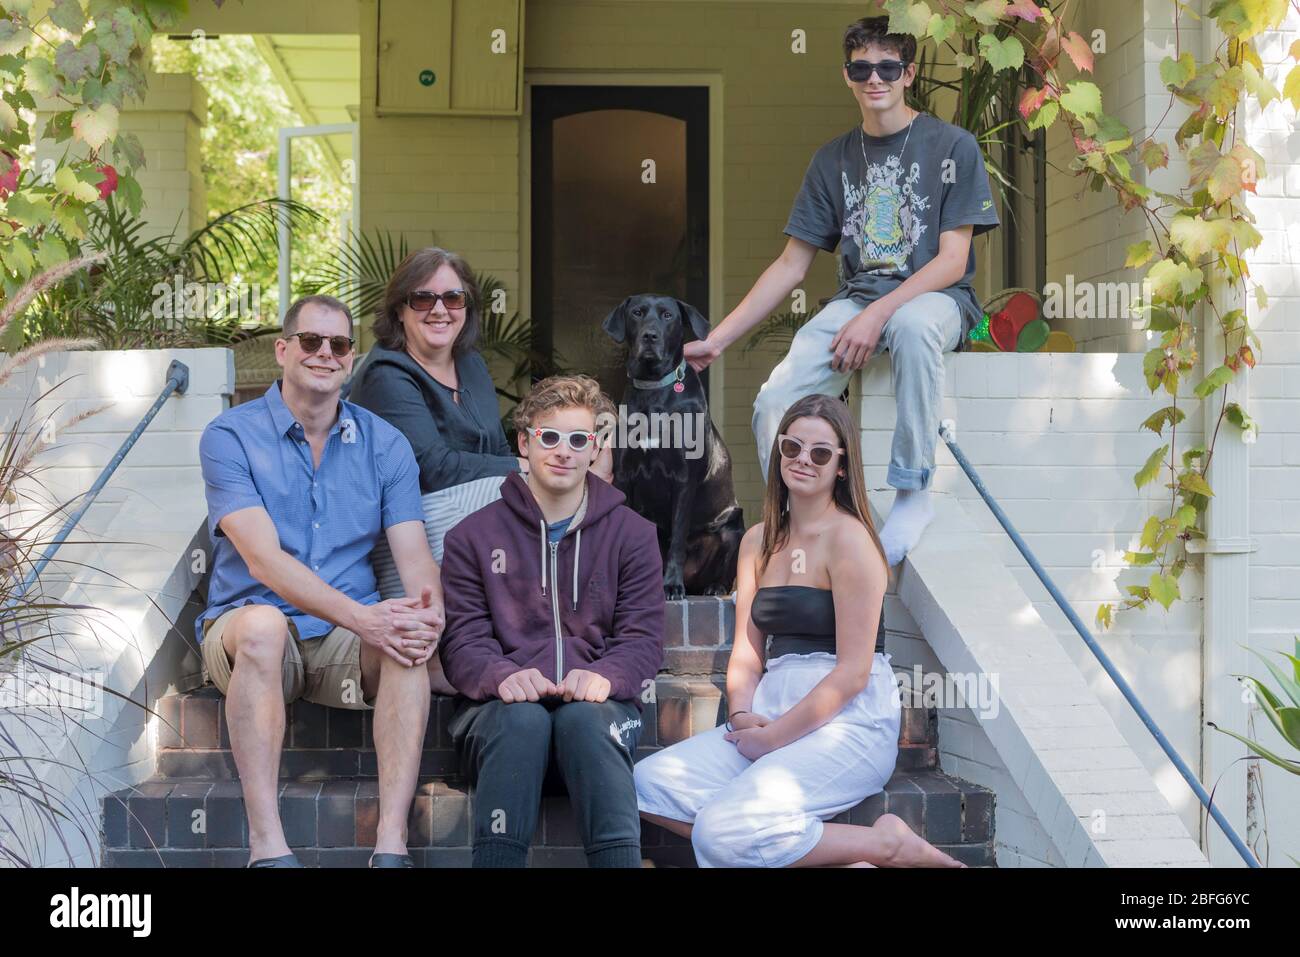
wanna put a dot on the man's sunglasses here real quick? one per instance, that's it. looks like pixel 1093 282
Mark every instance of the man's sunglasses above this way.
pixel 888 70
pixel 310 342
pixel 423 301
pixel 550 438
pixel 819 455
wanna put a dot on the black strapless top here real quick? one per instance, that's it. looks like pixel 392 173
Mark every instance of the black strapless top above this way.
pixel 799 620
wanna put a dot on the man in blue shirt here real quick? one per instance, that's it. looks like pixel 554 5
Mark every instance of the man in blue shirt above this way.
pixel 300 485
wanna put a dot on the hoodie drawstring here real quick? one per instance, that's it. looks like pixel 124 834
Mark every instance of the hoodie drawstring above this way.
pixel 543 524
pixel 577 550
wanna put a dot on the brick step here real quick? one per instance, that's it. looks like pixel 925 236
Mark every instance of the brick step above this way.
pixel 324 743
pixel 192 823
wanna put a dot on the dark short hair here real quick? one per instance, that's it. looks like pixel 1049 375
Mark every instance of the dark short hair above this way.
pixel 875 30
pixel 406 279
pixel 329 302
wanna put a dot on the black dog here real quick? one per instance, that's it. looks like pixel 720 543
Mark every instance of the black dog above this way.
pixel 686 491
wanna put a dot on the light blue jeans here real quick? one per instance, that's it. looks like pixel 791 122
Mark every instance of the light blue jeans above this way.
pixel 917 336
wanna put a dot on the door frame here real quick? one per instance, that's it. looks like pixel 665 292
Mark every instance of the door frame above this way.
pixel 713 81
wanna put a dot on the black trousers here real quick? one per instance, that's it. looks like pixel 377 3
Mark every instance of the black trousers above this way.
pixel 505 752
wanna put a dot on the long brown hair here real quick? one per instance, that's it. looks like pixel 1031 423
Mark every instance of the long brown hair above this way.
pixel 406 278
pixel 849 491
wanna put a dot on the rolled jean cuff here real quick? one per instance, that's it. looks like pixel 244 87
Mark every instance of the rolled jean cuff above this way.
pixel 911 479
pixel 499 852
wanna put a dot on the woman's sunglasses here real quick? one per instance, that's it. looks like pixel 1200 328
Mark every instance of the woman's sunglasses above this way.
pixel 423 301
pixel 310 342
pixel 888 70
pixel 550 438
pixel 819 455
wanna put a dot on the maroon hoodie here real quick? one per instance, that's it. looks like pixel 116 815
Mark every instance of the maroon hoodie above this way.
pixel 594 600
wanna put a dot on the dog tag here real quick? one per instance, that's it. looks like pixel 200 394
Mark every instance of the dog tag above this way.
pixel 679 387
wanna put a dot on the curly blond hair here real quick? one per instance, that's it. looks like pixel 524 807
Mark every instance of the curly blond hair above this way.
pixel 562 392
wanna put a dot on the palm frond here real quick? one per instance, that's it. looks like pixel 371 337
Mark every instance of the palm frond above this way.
pixel 778 330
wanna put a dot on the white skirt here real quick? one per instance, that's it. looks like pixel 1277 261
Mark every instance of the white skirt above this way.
pixel 770 812
pixel 443 511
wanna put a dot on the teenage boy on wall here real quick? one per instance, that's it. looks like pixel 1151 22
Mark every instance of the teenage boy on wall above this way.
pixel 555 619
pixel 902 195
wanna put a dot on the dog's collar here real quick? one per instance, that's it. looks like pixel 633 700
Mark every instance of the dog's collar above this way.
pixel 677 375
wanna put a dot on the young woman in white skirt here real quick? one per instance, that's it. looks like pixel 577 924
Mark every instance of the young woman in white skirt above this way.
pixel 815 732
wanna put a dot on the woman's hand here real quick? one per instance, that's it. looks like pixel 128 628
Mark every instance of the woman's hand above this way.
pixel 753 743
pixel 747 719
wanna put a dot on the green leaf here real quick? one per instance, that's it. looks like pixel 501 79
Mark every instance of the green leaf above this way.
pixel 1194 483
pixel 1185 517
pixel 51 251
pixel 1177 72
pixel 1149 532
pixel 1216 380
pixel 1291 86
pixel 40 76
pixel 988 12
pixel 907 17
pixel 941 27
pixel 1006 54
pixel 1147 474
pixel 68 15
pixel 66 181
pixel 31 211
pixel 1196 236
pixel 8 118
pixel 1139 254
pixel 1169 415
pixel 1139 558
pixel 1045 115
pixel 1169 279
pixel 75 62
pixel 1164 589
pixel 1289 685
pixel 1082 98
pixel 1258 85
pixel 13 38
pixel 1155 155
pixel 964 61
pixel 1104 615
pixel 95 126
pixel 18 257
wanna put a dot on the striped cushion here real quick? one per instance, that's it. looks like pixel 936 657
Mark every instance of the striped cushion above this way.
pixel 443 510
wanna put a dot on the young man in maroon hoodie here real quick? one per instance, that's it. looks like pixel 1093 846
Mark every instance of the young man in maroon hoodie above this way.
pixel 555 616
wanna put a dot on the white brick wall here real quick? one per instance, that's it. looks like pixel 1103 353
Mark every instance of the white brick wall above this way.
pixel 129 561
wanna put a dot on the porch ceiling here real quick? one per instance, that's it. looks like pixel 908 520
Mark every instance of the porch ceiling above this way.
pixel 321 75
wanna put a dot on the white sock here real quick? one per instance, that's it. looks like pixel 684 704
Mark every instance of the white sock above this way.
pixel 908 518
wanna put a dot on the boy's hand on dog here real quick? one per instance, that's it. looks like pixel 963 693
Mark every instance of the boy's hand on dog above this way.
pixel 527 685
pixel 700 353
pixel 579 685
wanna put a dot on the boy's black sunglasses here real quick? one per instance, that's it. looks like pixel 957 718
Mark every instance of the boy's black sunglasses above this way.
pixel 310 342
pixel 888 70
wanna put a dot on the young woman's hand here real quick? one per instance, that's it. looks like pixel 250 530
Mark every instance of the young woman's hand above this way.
pixel 747 719
pixel 753 743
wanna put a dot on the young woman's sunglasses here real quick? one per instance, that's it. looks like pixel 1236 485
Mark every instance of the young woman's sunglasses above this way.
pixel 310 342
pixel 423 301
pixel 819 454
pixel 550 438
pixel 888 70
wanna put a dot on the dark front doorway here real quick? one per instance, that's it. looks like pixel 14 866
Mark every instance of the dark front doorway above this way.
pixel 620 206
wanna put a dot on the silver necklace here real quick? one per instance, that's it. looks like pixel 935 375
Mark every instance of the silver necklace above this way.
pixel 862 141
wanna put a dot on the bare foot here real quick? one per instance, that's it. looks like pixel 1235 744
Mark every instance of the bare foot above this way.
pixel 913 850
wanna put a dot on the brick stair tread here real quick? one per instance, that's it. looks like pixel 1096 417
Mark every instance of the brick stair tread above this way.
pixel 153 824
pixel 323 743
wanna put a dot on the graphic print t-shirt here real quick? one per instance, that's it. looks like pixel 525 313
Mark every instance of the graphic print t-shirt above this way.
pixel 885 210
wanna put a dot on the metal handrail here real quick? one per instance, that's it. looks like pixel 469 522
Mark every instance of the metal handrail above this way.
pixel 1125 689
pixel 178 380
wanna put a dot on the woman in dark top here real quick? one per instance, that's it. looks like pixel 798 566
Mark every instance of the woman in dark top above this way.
pixel 813 719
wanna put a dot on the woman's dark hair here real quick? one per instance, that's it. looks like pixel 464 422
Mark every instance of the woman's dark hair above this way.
pixel 849 491
pixel 406 279
pixel 875 30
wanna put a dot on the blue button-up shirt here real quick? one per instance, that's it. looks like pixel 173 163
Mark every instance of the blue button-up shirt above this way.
pixel 330 517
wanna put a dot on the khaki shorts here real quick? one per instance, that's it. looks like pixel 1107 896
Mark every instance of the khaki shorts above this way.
pixel 325 670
